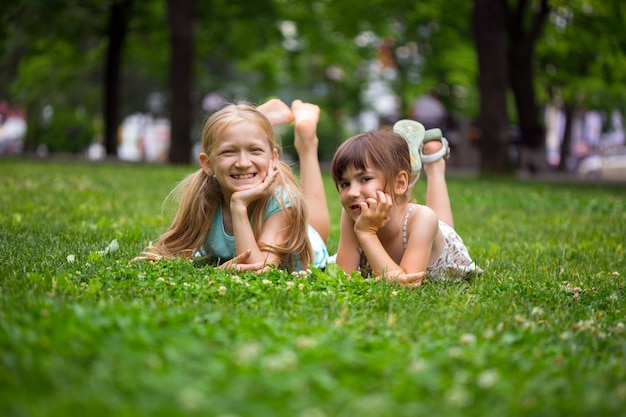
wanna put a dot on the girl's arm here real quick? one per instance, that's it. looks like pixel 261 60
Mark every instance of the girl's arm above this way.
pixel 384 266
pixel 412 267
pixel 348 256
pixel 422 233
pixel 242 229
pixel 244 236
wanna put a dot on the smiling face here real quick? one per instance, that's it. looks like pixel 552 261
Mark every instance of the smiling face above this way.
pixel 371 162
pixel 357 185
pixel 241 158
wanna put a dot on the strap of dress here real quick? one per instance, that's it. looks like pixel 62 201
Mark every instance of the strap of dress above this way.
pixel 405 221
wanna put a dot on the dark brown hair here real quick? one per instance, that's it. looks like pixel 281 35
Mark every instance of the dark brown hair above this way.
pixel 382 150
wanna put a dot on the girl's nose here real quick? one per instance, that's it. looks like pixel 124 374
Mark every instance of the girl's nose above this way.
pixel 353 190
pixel 243 160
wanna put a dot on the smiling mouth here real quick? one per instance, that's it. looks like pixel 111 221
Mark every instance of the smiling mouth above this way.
pixel 354 207
pixel 243 176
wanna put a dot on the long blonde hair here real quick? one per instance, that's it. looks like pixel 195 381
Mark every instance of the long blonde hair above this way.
pixel 200 196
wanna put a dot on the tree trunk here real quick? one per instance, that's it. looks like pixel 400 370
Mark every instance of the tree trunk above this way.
pixel 523 31
pixel 489 35
pixel 522 84
pixel 567 137
pixel 119 14
pixel 181 22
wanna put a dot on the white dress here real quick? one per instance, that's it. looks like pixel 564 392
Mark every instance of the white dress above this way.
pixel 454 263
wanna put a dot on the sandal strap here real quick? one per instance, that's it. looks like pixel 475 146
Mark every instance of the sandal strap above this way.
pixel 444 152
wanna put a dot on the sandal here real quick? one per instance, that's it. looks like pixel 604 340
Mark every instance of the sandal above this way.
pixel 444 152
pixel 413 134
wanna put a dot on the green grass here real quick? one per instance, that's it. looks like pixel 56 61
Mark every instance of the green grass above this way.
pixel 83 332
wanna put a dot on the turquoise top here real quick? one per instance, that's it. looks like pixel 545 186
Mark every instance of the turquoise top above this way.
pixel 219 246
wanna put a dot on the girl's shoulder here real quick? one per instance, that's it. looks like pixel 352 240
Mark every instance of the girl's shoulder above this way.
pixel 420 214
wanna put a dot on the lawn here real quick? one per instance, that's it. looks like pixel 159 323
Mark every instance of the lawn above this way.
pixel 85 332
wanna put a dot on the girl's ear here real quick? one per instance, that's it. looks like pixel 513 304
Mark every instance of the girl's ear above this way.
pixel 275 155
pixel 205 164
pixel 401 183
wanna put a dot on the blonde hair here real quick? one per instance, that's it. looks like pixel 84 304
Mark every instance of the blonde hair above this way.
pixel 201 195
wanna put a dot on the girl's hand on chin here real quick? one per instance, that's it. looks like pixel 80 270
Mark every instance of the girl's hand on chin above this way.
pixel 246 197
pixel 374 213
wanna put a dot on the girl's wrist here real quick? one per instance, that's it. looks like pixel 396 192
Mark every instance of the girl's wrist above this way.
pixel 365 232
pixel 238 207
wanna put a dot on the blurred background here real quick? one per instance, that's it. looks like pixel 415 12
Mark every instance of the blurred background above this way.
pixel 532 85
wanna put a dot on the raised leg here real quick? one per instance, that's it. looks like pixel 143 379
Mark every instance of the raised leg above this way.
pixel 437 197
pixel 306 142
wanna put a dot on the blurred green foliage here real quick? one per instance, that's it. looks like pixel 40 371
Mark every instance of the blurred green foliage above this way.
pixel 52 54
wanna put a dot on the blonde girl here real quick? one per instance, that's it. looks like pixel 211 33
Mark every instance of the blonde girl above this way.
pixel 244 208
pixel 382 231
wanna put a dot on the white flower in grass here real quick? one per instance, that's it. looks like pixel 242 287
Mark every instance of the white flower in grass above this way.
pixel 290 285
pixel 312 412
pixel 71 258
pixel 284 360
pixel 417 365
pixel 222 290
pixel 536 311
pixel 190 398
pixel 305 342
pixel 247 353
pixel 468 339
pixel 488 378
pixel 459 396
pixel 267 282
pixel 565 335
pixel 236 279
pixel 455 352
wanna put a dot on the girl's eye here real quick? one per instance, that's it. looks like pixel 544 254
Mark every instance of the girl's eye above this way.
pixel 365 179
pixel 343 185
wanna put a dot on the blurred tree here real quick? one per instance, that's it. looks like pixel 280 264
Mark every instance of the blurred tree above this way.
pixel 181 19
pixel 489 35
pixel 57 63
pixel 525 21
pixel 54 55
pixel 582 59
pixel 117 28
pixel 60 46
pixel 524 24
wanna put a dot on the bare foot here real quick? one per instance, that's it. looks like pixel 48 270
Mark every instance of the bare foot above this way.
pixel 306 116
pixel 277 112
pixel 437 167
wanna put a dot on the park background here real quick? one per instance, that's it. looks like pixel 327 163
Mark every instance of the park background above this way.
pixel 523 82
pixel 83 331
